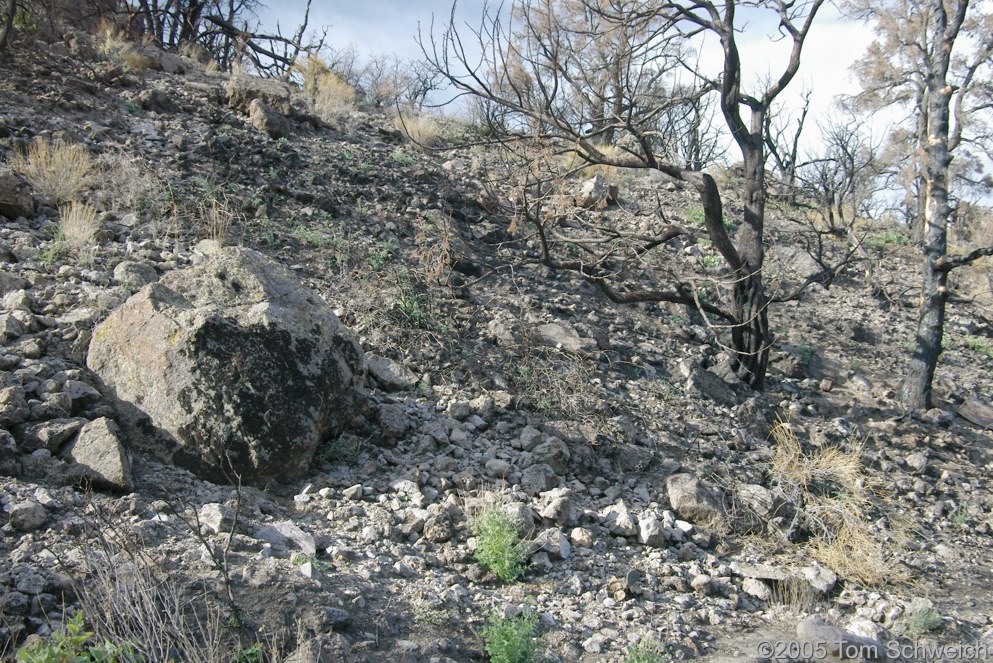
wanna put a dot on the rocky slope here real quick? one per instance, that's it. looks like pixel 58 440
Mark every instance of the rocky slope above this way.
pixel 661 510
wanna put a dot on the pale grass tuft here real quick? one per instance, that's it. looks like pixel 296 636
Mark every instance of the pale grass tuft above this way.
pixel 216 220
pixel 791 599
pixel 56 171
pixel 575 161
pixel 836 502
pixel 422 130
pixel 113 43
pixel 79 225
pixel 310 69
pixel 433 247
pixel 333 96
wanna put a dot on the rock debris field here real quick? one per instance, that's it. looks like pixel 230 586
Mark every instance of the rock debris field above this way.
pixel 299 359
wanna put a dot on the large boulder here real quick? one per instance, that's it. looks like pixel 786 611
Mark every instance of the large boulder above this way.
pixel 243 367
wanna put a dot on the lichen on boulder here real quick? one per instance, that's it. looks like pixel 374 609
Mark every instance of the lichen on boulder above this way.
pixel 246 369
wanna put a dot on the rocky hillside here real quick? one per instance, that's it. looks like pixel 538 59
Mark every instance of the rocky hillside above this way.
pixel 265 410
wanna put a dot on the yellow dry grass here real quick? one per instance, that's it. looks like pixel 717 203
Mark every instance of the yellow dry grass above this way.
pixel 56 170
pixel 79 225
pixel 332 95
pixel 839 501
pixel 422 130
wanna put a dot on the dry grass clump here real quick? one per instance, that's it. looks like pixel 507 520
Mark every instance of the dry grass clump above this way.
pixel 422 130
pixel 56 171
pixel 836 504
pixel 574 162
pixel 79 225
pixel 113 43
pixel 332 95
pixel 433 247
pixel 216 219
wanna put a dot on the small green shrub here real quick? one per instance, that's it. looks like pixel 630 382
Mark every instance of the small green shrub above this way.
pixel 498 544
pixel 511 639
pixel 979 344
pixel 697 217
pixel 72 644
pixel 403 158
pixel 642 653
pixel 887 238
pixel 922 618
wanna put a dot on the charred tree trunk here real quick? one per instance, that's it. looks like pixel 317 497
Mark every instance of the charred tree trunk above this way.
pixel 750 338
pixel 8 25
pixel 916 391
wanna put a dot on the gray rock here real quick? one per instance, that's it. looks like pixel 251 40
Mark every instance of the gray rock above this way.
pixel 820 577
pixel 132 275
pixel 242 90
pixel 285 533
pixel 13 406
pixel 651 531
pixel 917 461
pixel 242 366
pixel 757 588
pixel 563 335
pixel 839 642
pixel 596 192
pixel 10 327
pixel 393 421
pixel 694 500
pixel 50 435
pixel 268 121
pixel 390 375
pixel 15 197
pixel 620 520
pixel 331 648
pixel 101 457
pixel 538 478
pixel 27 516
pixel 553 542
pixel 554 453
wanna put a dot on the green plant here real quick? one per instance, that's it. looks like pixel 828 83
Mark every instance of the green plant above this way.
pixel 56 250
pixel 806 353
pixel 642 653
pixel 56 171
pixel 980 344
pixel 887 238
pixel 710 262
pixel 343 449
pixel 921 618
pixel 377 255
pixel 309 236
pixel 72 644
pixel 499 547
pixel 253 654
pixel 697 217
pixel 403 158
pixel 511 639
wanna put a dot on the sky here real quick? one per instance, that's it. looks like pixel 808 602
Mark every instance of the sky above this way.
pixel 391 26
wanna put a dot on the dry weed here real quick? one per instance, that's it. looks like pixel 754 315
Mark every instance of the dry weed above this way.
pixel 836 502
pixel 433 246
pixel 422 130
pixel 310 69
pixel 56 171
pixel 574 162
pixel 791 599
pixel 79 225
pixel 216 220
pixel 113 43
pixel 333 96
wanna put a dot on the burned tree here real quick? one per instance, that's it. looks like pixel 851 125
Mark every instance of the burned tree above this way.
pixel 547 76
